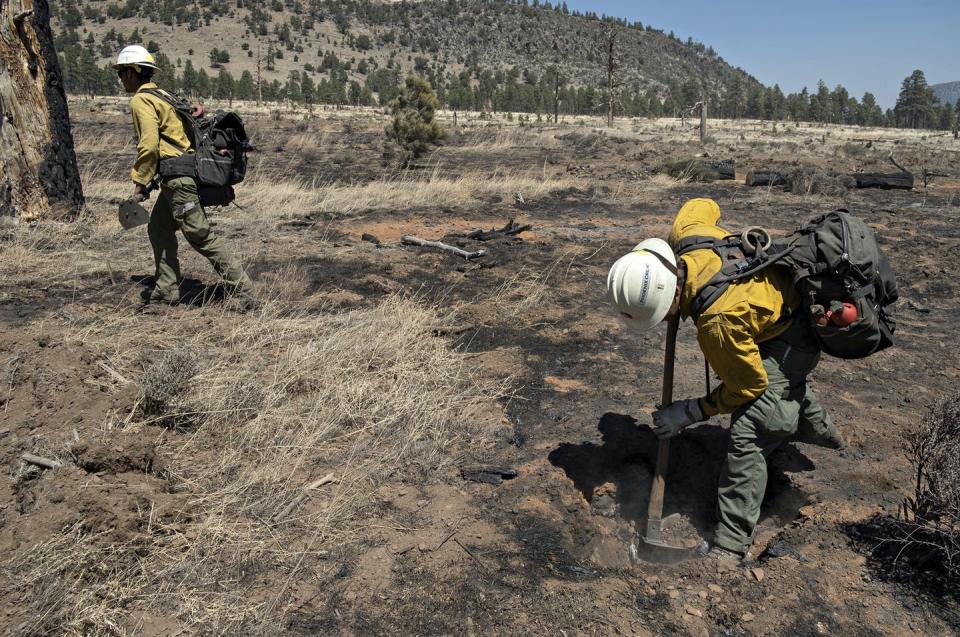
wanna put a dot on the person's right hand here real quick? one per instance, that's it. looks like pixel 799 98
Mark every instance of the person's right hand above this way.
pixel 140 193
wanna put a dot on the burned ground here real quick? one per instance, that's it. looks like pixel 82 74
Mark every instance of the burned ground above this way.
pixel 551 384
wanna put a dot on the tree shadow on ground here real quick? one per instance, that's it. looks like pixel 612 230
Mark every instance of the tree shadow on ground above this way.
pixel 627 457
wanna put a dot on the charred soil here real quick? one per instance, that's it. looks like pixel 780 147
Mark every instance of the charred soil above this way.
pixel 559 391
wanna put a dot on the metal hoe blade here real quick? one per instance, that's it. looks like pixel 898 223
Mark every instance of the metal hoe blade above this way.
pixel 131 214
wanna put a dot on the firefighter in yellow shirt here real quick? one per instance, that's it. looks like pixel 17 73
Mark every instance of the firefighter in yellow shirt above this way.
pixel 761 351
pixel 160 135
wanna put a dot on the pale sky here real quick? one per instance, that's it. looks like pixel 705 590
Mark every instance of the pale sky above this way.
pixel 863 45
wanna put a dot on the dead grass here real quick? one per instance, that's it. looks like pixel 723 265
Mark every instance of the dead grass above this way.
pixel 281 398
pixel 269 195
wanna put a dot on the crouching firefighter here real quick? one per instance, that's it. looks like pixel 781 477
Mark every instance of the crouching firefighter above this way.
pixel 764 310
pixel 161 137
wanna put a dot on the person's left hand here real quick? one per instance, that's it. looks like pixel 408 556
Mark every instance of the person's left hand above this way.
pixel 670 420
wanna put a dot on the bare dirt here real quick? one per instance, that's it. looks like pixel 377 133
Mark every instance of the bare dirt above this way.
pixel 549 550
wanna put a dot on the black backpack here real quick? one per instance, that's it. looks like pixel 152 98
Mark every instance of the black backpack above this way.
pixel 832 260
pixel 219 158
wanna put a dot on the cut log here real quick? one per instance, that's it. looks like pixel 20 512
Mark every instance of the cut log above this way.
pixel 766 178
pixel 885 181
pixel 417 241
pixel 701 169
pixel 38 167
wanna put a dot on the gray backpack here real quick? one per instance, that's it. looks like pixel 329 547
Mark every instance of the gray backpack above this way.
pixel 218 160
pixel 833 260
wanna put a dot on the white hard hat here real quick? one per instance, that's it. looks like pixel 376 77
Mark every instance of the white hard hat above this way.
pixel 642 284
pixel 135 55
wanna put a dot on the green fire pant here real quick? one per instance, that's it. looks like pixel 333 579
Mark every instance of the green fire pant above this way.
pixel 178 207
pixel 788 409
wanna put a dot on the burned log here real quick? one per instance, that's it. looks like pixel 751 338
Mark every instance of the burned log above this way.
pixel 489 474
pixel 701 169
pixel 885 181
pixel 767 178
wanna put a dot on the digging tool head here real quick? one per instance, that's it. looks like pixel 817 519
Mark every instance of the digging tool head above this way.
pixel 651 548
pixel 132 214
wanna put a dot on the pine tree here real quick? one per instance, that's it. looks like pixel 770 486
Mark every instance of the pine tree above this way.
pixel 413 130
pixel 916 103
pixel 870 113
pixel 246 88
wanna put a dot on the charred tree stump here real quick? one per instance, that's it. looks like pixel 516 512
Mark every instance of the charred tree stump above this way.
pixel 38 165
pixel 766 178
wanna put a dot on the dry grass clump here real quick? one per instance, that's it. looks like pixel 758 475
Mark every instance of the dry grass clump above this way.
pixel 812 181
pixel 166 379
pixel 691 170
pixel 281 399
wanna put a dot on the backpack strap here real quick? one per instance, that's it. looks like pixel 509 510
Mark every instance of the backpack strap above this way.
pixel 735 266
pixel 172 101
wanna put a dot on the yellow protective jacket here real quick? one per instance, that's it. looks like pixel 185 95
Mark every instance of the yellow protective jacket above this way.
pixel 746 314
pixel 159 133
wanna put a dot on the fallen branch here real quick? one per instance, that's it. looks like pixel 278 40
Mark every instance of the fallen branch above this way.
pixel 470 553
pixel 117 376
pixel 302 497
pixel 417 241
pixel 894 162
pixel 506 231
pixel 40 461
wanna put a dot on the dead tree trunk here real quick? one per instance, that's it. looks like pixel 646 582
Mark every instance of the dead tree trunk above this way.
pixel 703 120
pixel 612 83
pixel 38 166
pixel 556 97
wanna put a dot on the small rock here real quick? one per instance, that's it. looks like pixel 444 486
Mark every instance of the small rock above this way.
pixel 703 594
pixel 651 579
pixel 690 610
pixel 715 588
pixel 746 617
pixel 758 573
pixel 674 594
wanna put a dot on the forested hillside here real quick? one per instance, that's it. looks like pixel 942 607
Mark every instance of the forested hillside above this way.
pixel 482 55
pixel 478 54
